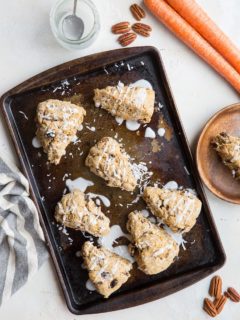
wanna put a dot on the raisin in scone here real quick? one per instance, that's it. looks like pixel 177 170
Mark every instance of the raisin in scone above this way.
pixel 78 212
pixel 57 125
pixel 153 248
pixel 107 270
pixel 127 102
pixel 178 209
pixel 108 160
pixel 228 148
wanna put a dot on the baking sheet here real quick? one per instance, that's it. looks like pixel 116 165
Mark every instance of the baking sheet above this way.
pixel 167 157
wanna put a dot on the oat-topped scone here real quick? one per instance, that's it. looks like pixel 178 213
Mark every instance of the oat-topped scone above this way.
pixel 108 160
pixel 57 125
pixel 107 270
pixel 228 148
pixel 78 212
pixel 153 248
pixel 127 102
pixel 178 209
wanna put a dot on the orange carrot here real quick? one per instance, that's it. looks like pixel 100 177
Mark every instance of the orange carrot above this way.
pixel 204 25
pixel 192 38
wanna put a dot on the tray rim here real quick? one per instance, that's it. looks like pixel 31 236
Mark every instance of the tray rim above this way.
pixel 137 296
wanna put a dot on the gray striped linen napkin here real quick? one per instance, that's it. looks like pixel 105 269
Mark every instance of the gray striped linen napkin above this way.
pixel 22 246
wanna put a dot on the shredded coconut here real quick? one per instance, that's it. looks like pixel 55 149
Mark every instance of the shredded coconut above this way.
pixel 142 174
pixel 23 115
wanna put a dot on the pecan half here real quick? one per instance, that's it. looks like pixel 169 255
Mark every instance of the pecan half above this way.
pixel 219 303
pixel 232 294
pixel 215 289
pixel 121 27
pixel 209 307
pixel 142 29
pixel 137 12
pixel 127 38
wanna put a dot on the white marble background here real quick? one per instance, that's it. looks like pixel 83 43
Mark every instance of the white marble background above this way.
pixel 27 47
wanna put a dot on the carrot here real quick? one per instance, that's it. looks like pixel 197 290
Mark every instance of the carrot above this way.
pixel 203 24
pixel 193 39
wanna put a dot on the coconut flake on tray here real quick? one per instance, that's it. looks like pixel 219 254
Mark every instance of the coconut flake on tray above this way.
pixel 142 175
pixel 120 86
pixel 160 105
pixel 24 114
pixel 63 86
pixel 105 70
pixel 93 129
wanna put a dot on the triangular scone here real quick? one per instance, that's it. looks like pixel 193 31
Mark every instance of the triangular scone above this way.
pixel 78 212
pixel 107 270
pixel 108 160
pixel 127 102
pixel 57 125
pixel 228 148
pixel 153 248
pixel 178 209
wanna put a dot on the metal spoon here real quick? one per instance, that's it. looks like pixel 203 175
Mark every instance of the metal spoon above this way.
pixel 73 26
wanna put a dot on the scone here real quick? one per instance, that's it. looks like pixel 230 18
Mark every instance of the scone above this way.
pixel 78 212
pixel 108 160
pixel 107 270
pixel 127 102
pixel 178 209
pixel 153 248
pixel 228 148
pixel 57 125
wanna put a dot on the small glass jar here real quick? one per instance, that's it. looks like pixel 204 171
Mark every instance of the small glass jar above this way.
pixel 87 11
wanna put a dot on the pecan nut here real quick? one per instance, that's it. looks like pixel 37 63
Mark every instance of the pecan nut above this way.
pixel 219 303
pixel 142 29
pixel 209 307
pixel 232 294
pixel 215 289
pixel 127 38
pixel 121 27
pixel 137 12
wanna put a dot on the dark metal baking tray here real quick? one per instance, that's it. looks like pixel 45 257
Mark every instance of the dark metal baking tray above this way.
pixel 204 253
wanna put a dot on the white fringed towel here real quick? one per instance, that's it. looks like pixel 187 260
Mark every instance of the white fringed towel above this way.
pixel 22 246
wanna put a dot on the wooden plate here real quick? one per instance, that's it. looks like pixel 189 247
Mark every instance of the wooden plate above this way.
pixel 214 174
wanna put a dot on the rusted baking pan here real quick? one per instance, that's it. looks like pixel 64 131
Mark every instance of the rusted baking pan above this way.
pixel 167 156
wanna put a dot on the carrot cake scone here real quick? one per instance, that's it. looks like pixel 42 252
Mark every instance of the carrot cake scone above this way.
pixel 57 125
pixel 107 270
pixel 108 160
pixel 228 148
pixel 78 212
pixel 153 248
pixel 178 209
pixel 127 102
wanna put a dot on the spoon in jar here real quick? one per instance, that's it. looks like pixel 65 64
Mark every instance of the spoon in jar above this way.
pixel 73 26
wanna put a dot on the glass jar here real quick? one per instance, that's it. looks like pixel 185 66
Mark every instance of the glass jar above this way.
pixel 87 11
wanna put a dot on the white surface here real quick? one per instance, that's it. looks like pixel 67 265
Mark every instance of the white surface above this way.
pixel 28 47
